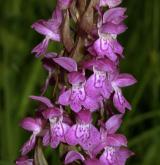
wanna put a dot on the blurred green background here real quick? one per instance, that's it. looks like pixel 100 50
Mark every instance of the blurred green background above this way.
pixel 22 75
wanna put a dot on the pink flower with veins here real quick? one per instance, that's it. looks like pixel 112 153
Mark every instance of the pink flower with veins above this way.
pixel 58 128
pixel 110 3
pixel 77 96
pixel 83 132
pixel 35 126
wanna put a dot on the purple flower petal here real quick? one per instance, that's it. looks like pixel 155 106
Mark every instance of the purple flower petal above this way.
pixel 76 78
pixel 51 113
pixel 43 100
pixel 123 155
pixel 41 48
pixel 64 97
pixel 29 145
pixel 124 80
pixel 110 3
pixel 71 137
pixel 113 123
pixel 88 136
pixel 120 102
pixel 116 140
pixel 91 103
pixel 67 63
pixel 114 15
pixel 76 105
pixel 30 124
pixel 46 138
pixel 47 28
pixel 24 160
pixel 104 48
pixel 90 88
pixel 93 162
pixel 117 47
pixel 101 64
pixel 84 116
pixel 72 156
pixel 113 28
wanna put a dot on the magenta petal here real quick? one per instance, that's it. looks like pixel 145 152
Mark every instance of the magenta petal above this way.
pixel 64 97
pixel 124 80
pixel 76 78
pixel 117 47
pixel 88 137
pixel 113 123
pixel 72 156
pixel 40 27
pixel 48 28
pixel 110 3
pixel 46 138
pixel 76 105
pixel 30 124
pixel 91 103
pixel 43 100
pixel 106 90
pixel 54 140
pixel 114 15
pixel 70 136
pixel 41 48
pixel 60 130
pixel 84 116
pixel 120 102
pixel 101 64
pixel 24 160
pixel 93 162
pixel 67 63
pixel 29 145
pixel 90 87
pixel 116 140
pixel 52 112
pixel 123 155
pixel 113 28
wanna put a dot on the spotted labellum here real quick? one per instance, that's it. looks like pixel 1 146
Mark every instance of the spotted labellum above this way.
pixel 81 104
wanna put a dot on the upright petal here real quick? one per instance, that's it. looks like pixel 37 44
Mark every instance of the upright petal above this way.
pixel 43 100
pixel 116 140
pixel 41 48
pixel 67 63
pixel 114 15
pixel 123 154
pixel 64 98
pixel 30 124
pixel 113 123
pixel 120 102
pixel 124 80
pixel 73 156
pixel 110 3
pixel 113 28
pixel 46 138
pixel 76 78
pixel 24 160
pixel 51 113
pixel 29 145
pixel 93 162
pixel 71 136
pixel 91 103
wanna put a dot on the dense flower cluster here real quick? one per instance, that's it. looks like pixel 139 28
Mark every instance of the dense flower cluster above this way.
pixel 87 84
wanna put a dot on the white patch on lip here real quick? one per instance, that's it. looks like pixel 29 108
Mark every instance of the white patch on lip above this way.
pixel 100 77
pixel 78 91
pixel 110 153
